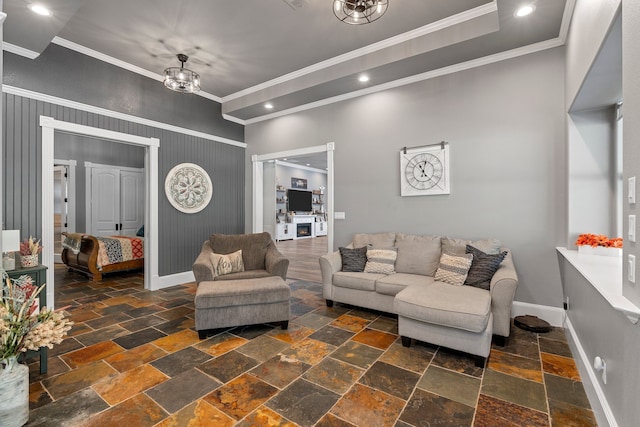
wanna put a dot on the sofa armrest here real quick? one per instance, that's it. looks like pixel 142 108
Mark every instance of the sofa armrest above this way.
pixel 276 263
pixel 202 267
pixel 503 290
pixel 329 264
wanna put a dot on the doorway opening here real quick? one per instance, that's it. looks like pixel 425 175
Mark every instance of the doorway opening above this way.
pixel 64 202
pixel 51 127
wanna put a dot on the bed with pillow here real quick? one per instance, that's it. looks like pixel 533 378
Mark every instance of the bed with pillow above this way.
pixel 451 292
pixel 97 255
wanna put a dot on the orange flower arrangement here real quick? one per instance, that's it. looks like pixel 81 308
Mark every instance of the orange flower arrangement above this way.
pixel 598 240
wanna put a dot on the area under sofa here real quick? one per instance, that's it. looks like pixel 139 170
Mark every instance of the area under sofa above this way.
pixel 463 318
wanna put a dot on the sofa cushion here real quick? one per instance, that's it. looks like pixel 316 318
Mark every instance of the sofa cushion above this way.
pixel 254 247
pixel 462 307
pixel 247 274
pixel 225 264
pixel 453 269
pixel 379 240
pixel 360 281
pixel 381 260
pixel 353 260
pixel 418 254
pixel 483 267
pixel 459 246
pixel 265 290
pixel 394 283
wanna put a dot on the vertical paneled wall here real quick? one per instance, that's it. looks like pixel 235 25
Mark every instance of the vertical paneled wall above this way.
pixel 180 234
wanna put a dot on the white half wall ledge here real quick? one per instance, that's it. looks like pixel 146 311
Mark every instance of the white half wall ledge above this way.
pixel 162 282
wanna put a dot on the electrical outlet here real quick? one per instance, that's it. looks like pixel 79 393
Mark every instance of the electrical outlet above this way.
pixel 566 303
pixel 632 228
pixel 631 268
pixel 631 190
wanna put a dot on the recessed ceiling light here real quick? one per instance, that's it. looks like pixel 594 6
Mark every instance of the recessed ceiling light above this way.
pixel 284 158
pixel 308 164
pixel 363 78
pixel 524 10
pixel 40 9
pixel 268 106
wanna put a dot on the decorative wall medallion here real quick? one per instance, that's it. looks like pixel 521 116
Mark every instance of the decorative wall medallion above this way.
pixel 188 188
pixel 424 170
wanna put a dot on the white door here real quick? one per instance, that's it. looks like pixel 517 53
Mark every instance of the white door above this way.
pixel 60 209
pixel 269 197
pixel 105 201
pixel 131 202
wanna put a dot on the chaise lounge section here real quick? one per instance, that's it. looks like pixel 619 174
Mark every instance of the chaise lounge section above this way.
pixel 429 309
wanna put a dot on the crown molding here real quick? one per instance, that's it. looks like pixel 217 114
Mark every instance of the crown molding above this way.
pixel 9 47
pixel 122 64
pixel 383 44
pixel 117 115
pixel 502 56
pixel 566 20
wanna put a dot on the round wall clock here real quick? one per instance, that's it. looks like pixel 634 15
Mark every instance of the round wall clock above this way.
pixel 424 170
pixel 188 188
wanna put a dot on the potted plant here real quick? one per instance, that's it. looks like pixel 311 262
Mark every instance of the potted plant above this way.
pixel 29 250
pixel 23 326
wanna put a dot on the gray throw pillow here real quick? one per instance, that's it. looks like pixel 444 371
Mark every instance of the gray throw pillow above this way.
pixel 483 267
pixel 353 260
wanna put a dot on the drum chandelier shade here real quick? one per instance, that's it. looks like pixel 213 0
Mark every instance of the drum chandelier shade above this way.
pixel 182 79
pixel 358 12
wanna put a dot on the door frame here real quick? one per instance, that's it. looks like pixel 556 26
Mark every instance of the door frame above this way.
pixel 49 128
pixel 257 161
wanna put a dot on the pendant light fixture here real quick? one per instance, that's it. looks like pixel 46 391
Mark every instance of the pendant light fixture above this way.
pixel 358 12
pixel 181 79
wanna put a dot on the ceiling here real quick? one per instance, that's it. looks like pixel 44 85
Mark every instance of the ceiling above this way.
pixel 292 53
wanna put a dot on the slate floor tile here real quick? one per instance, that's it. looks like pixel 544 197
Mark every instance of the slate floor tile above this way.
pixel 182 389
pixel 456 361
pixel 199 413
pixel 560 365
pixel 357 354
pixel 452 385
pixel 70 410
pixel 262 348
pixel 220 344
pixel 334 374
pixel 138 338
pixel 295 333
pixel 77 379
pixel 126 385
pixel 303 402
pixel 176 325
pixel 515 390
pixel 331 420
pixel 309 351
pixel 426 408
pixel 332 335
pixel 141 323
pixel 560 348
pixel 492 412
pixel 101 335
pixel 228 366
pixel 177 341
pixel 415 358
pixel 522 367
pixel 135 357
pixel 350 323
pixel 241 396
pixel 377 339
pixel 364 406
pixel 566 390
pixel 567 415
pixel 139 411
pixel 280 370
pixel 390 379
pixel 312 321
pixel 180 361
pixel 265 417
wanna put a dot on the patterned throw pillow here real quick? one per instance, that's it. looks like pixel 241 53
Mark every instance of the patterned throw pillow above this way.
pixel 226 264
pixel 453 269
pixel 381 261
pixel 483 267
pixel 353 260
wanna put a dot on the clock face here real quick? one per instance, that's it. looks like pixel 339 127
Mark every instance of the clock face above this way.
pixel 423 171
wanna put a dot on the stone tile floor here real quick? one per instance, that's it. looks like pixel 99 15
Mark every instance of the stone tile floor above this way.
pixel 134 359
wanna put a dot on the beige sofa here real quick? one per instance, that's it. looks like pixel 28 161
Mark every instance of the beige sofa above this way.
pixel 460 317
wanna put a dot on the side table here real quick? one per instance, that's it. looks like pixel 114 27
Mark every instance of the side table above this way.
pixel 39 276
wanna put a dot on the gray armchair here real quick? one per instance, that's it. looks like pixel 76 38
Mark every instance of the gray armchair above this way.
pixel 260 256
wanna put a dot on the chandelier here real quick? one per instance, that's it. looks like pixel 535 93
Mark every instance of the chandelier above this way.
pixel 357 12
pixel 181 79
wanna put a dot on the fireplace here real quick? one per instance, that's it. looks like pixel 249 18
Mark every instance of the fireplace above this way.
pixel 303 229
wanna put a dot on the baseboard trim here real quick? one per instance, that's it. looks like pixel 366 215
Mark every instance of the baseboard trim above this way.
pixel 593 378
pixel 554 315
pixel 161 282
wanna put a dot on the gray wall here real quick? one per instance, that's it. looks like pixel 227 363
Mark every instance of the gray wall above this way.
pixel 505 126
pixel 83 149
pixel 69 75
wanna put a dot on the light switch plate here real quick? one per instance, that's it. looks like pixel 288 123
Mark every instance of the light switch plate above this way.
pixel 632 190
pixel 339 215
pixel 632 268
pixel 632 228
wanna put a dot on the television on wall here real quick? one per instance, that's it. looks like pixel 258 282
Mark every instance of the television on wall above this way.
pixel 299 200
